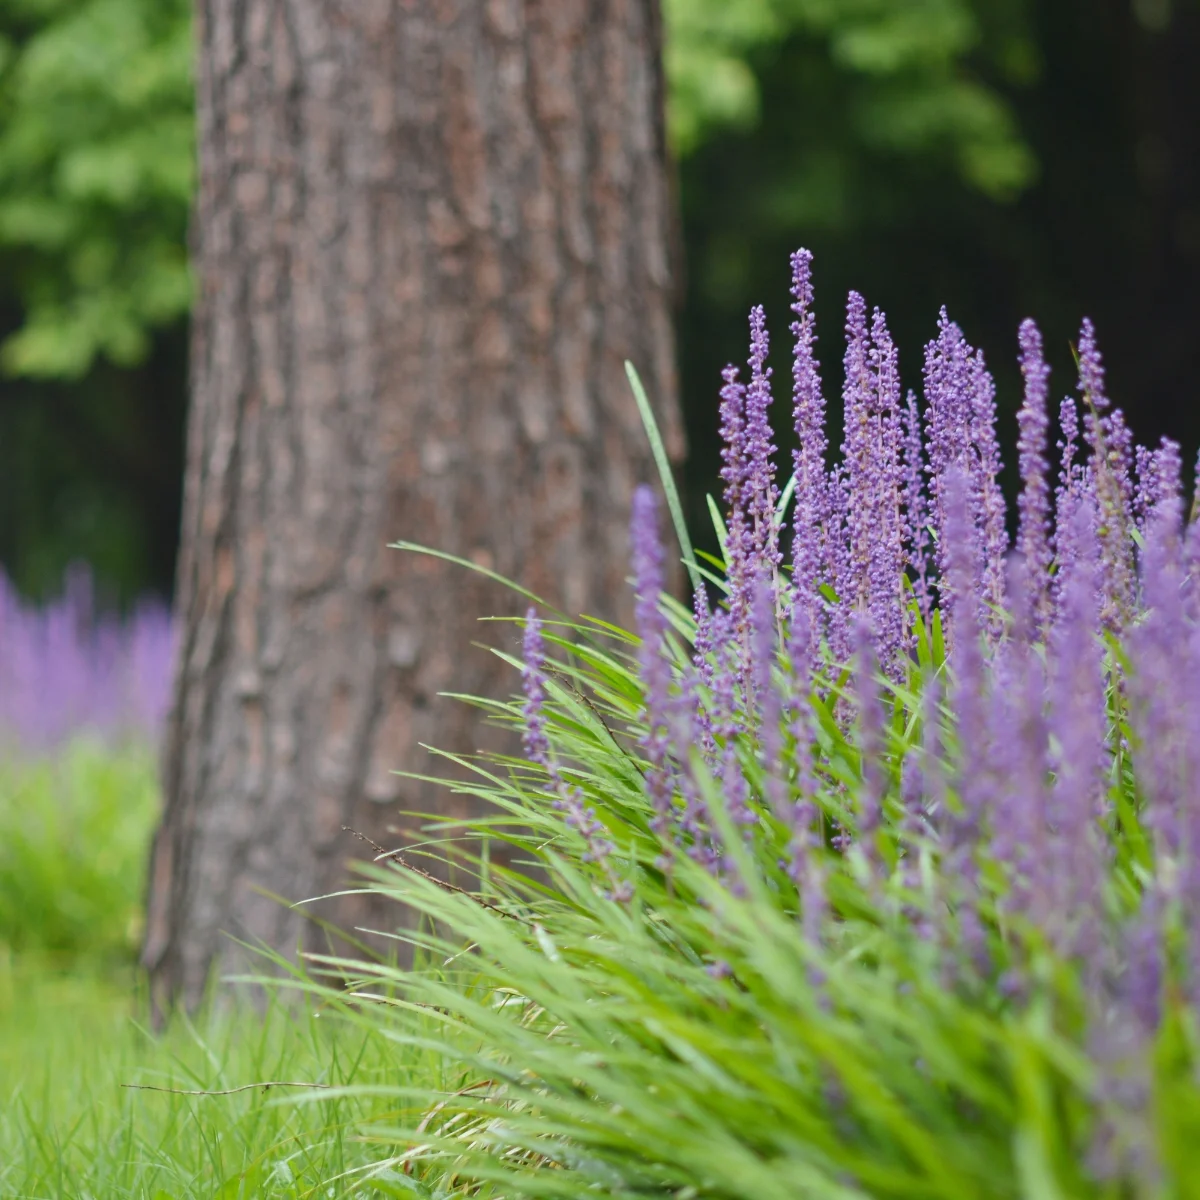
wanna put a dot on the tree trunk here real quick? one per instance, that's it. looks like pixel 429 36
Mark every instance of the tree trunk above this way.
pixel 428 234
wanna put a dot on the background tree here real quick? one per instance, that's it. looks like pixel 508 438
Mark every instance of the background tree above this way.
pixel 427 236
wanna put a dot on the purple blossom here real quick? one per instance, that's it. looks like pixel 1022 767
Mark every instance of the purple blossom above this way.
pixel 692 726
pixel 1073 488
pixel 948 418
pixel 871 741
pixel 1018 745
pixel 1033 422
pixel 860 454
pixel 839 561
pixel 761 495
pixel 1162 489
pixel 961 400
pixel 988 499
pixel 803 864
pixel 567 798
pixel 888 557
pixel 67 669
pixel 1111 445
pixel 1077 727
pixel 961 604
pixel 651 627
pixel 808 415
pixel 735 475
pixel 916 509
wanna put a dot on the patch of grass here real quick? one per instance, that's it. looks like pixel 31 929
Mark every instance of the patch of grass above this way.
pixel 70 1041
pixel 73 836
pixel 74 833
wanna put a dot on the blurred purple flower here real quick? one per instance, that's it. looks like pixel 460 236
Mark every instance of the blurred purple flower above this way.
pixel 568 798
pixel 916 508
pixel 1111 444
pixel 649 582
pixel 66 668
pixel 1033 422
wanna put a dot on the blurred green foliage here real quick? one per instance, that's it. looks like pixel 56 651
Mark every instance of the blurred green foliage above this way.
pixel 910 90
pixel 73 836
pixel 96 170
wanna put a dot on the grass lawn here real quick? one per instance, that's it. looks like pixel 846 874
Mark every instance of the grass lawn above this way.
pixel 72 1032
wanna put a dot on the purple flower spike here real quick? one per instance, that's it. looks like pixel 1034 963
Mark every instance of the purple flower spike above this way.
pixel 1077 714
pixel 1163 749
pixel 1091 368
pixel 1033 423
pixel 761 494
pixel 808 460
pixel 66 669
pixel 1164 487
pixel 873 581
pixel 859 454
pixel 1110 442
pixel 989 500
pixel 1018 745
pixel 871 740
pixel 803 865
pixel 961 605
pixel 961 399
pixel 949 417
pixel 656 670
pixel 888 556
pixel 735 474
pixel 840 566
pixel 568 799
pixel 533 680
pixel 916 510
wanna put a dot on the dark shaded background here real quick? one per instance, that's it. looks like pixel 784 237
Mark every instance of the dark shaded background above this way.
pixel 1105 94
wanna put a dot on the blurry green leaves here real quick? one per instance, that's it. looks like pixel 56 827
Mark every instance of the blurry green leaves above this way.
pixel 96 168
pixel 710 81
pixel 909 75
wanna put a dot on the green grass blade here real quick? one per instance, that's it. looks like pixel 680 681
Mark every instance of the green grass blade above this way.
pixel 664 472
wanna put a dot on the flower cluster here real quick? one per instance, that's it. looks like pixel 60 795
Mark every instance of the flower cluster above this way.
pixel 65 669
pixel 1000 744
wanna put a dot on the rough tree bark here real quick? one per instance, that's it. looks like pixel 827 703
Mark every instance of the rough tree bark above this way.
pixel 427 234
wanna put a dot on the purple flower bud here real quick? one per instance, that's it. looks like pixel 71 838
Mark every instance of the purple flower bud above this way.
pixel 1110 442
pixel 762 496
pixel 656 670
pixel 871 741
pixel 803 863
pixel 1077 726
pixel 808 414
pixel 916 509
pixel 579 815
pixel 1033 422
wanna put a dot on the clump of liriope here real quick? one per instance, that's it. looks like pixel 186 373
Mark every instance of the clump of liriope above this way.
pixel 878 872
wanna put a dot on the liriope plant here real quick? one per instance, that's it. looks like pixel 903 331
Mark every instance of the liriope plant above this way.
pixel 876 872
